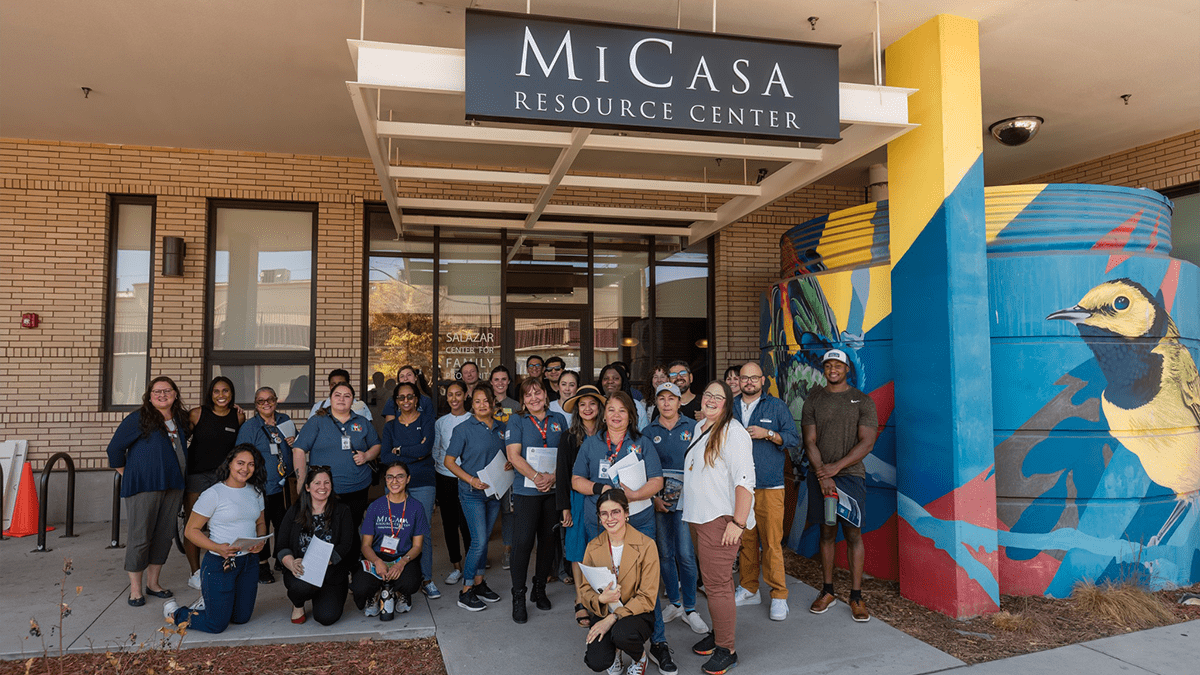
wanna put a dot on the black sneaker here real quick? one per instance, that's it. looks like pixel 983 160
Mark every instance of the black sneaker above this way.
pixel 264 574
pixel 660 654
pixel 484 593
pixel 468 601
pixel 722 660
pixel 706 645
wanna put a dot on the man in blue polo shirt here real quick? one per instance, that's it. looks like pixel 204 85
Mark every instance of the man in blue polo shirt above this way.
pixel 769 422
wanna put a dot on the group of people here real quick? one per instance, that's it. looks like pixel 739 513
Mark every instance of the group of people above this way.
pixel 660 493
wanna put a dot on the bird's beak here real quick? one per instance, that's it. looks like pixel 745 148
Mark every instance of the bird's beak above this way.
pixel 1074 314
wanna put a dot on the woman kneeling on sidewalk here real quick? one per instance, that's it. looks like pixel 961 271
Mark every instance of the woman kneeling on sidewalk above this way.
pixel 393 532
pixel 317 515
pixel 233 510
pixel 633 559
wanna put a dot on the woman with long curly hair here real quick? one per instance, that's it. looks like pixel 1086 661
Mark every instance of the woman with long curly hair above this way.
pixel 149 450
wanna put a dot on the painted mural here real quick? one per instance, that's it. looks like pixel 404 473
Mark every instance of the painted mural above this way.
pixel 1095 333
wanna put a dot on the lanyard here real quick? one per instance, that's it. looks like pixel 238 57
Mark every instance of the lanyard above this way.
pixel 541 428
pixel 342 428
pixel 612 454
pixel 403 510
pixel 615 567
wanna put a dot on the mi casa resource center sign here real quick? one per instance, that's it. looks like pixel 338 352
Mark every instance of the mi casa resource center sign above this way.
pixel 522 68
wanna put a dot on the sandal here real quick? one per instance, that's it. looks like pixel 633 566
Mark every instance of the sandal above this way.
pixel 582 619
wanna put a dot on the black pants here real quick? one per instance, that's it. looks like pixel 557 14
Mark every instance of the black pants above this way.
pixel 533 516
pixel 357 501
pixel 627 634
pixel 327 599
pixel 274 512
pixel 365 585
pixel 453 522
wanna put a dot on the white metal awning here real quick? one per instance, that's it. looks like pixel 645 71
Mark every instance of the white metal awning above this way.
pixel 871 116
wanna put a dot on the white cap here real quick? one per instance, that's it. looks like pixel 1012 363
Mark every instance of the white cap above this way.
pixel 668 386
pixel 835 355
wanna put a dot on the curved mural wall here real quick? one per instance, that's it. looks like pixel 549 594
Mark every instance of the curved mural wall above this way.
pixel 1095 333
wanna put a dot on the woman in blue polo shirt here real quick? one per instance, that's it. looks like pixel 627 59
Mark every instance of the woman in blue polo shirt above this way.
pixel 344 441
pixel 535 431
pixel 473 445
pixel 262 431
pixel 408 438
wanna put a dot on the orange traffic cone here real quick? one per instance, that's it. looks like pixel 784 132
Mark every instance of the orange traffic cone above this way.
pixel 25 511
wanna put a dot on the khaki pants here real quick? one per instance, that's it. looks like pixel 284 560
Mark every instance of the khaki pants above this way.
pixel 716 566
pixel 768 531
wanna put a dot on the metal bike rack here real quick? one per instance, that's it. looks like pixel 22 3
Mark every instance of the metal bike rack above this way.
pixel 42 503
pixel 116 513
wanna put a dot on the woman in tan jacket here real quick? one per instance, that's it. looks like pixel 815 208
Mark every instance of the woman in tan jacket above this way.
pixel 633 558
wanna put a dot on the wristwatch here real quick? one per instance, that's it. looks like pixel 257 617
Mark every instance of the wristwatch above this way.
pixel 770 434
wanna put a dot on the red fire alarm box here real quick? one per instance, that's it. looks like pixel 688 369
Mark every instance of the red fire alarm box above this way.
pixel 30 320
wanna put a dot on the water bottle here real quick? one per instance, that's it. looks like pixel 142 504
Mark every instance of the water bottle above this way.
pixel 831 503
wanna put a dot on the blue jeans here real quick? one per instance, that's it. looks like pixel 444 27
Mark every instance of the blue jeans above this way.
pixel 677 558
pixel 481 512
pixel 426 495
pixel 646 527
pixel 228 595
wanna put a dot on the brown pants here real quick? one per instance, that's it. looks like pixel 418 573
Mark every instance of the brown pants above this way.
pixel 716 566
pixel 768 530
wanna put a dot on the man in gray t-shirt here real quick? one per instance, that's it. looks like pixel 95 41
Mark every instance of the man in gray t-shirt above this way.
pixel 840 426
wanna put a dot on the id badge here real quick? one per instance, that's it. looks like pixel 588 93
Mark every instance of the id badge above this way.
pixel 345 442
pixel 389 544
pixel 604 467
pixel 274 449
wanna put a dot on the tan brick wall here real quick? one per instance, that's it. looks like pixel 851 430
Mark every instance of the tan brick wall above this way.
pixel 1159 165
pixel 54 227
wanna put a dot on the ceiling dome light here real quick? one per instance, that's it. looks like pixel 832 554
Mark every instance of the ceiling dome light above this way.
pixel 1016 131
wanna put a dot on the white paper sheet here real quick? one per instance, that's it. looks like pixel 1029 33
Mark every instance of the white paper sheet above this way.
pixel 631 471
pixel 599 578
pixel 245 543
pixel 543 460
pixel 316 561
pixel 498 480
pixel 288 429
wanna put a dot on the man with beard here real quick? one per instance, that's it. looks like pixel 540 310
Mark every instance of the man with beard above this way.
pixel 689 402
pixel 769 422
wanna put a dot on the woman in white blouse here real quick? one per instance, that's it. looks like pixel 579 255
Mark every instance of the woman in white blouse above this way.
pixel 718 500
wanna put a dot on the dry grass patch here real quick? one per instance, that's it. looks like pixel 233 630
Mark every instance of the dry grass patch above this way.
pixel 1014 623
pixel 1124 603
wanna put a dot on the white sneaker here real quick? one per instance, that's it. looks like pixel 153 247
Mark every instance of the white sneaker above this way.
pixel 779 609
pixel 454 577
pixel 671 612
pixel 744 597
pixel 194 580
pixel 169 608
pixel 403 604
pixel 372 608
pixel 693 620
pixel 617 666
pixel 637 667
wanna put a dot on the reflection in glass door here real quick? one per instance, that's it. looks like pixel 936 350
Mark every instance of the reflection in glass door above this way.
pixel 548 331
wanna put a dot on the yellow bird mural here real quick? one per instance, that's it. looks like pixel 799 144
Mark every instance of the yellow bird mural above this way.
pixel 1152 399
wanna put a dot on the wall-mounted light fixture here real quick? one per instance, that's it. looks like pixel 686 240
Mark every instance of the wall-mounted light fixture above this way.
pixel 173 250
pixel 702 343
pixel 629 342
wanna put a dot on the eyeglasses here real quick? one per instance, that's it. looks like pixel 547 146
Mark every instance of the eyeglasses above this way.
pixel 611 515
pixel 405 397
pixel 264 401
pixel 535 365
pixel 678 373
pixel 714 397
pixel 161 392
pixel 554 369
pixel 751 378
pixel 395 478
pixel 317 468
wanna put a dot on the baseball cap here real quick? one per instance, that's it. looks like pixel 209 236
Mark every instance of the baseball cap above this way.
pixel 668 386
pixel 835 355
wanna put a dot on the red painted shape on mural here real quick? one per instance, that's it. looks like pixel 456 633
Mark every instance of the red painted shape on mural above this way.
pixel 1170 284
pixel 973 502
pixel 1027 577
pixel 1117 238
pixel 882 554
pixel 885 401
pixel 936 581
pixel 1154 234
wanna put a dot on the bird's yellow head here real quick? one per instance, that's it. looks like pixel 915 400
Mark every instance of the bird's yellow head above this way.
pixel 1120 308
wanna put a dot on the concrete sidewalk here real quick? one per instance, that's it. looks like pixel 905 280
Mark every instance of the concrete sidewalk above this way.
pixel 478 642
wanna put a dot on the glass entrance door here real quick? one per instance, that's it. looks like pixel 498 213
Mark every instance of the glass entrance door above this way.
pixel 549 330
